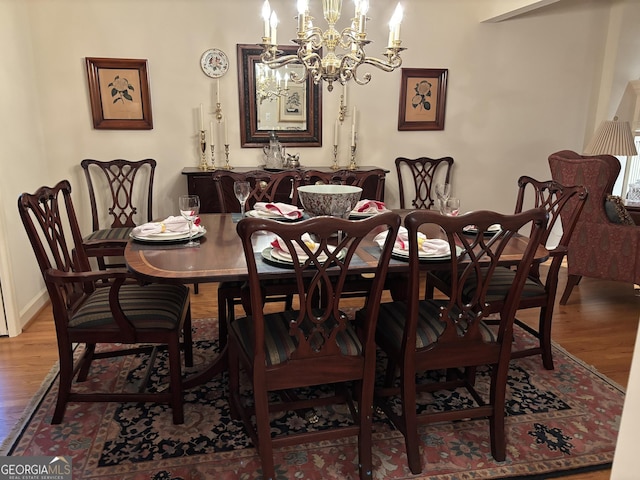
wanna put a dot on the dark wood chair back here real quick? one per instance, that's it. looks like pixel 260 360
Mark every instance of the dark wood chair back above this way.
pixel 265 187
pixel 451 334
pixel 369 181
pixel 130 184
pixel 563 204
pixel 113 216
pixel 91 307
pixel 48 216
pixel 316 343
pixel 418 178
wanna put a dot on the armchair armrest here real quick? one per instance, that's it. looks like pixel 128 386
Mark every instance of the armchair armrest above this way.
pixel 113 279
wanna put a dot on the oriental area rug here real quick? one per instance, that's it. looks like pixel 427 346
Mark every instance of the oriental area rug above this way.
pixel 558 422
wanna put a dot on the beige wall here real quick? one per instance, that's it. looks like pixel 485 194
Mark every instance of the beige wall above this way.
pixel 518 90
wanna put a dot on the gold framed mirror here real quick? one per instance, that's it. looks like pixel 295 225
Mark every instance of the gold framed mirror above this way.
pixel 271 102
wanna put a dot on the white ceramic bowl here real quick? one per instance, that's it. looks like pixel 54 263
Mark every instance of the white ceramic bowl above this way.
pixel 334 200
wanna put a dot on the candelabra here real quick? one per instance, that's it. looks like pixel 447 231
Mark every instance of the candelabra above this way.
pixel 269 84
pixel 227 166
pixel 335 165
pixel 218 112
pixel 203 150
pixel 312 41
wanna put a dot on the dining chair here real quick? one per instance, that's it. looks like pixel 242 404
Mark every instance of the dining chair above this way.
pixel 265 187
pixel 450 335
pixel 114 215
pixel 317 344
pixel 564 205
pixel 604 245
pixel 370 180
pixel 92 307
pixel 420 174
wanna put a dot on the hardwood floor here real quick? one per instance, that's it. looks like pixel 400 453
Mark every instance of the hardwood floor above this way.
pixel 598 326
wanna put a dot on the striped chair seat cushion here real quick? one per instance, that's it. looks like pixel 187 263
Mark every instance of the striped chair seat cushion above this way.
pixel 392 318
pixel 499 286
pixel 150 306
pixel 279 344
pixel 108 234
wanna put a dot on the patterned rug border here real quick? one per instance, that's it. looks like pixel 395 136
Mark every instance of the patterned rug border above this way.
pixel 13 438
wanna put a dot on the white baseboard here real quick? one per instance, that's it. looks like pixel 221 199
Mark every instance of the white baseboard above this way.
pixel 32 309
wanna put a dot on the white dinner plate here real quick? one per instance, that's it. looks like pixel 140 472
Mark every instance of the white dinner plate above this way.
pixel 360 215
pixel 404 254
pixel 167 236
pixel 280 256
pixel 473 230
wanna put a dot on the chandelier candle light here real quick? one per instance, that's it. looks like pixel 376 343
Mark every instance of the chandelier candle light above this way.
pixel 333 67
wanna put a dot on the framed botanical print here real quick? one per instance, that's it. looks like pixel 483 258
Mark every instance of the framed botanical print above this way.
pixel 119 93
pixel 423 95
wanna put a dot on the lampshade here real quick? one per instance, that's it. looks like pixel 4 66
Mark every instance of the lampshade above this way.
pixel 612 138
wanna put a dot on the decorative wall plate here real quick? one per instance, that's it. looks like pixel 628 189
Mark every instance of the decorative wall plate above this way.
pixel 214 63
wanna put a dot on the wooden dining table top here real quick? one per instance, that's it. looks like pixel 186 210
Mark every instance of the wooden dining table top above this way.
pixel 220 256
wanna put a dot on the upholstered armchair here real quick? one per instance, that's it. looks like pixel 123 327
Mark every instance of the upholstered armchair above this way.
pixel 602 246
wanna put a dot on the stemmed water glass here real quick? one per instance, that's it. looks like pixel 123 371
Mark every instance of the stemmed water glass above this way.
pixel 451 207
pixel 443 191
pixel 189 208
pixel 242 191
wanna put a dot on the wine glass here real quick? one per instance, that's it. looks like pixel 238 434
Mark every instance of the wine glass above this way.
pixel 189 208
pixel 443 191
pixel 451 207
pixel 242 191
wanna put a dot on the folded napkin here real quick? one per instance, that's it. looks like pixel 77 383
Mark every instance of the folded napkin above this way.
pixel 430 246
pixel 278 208
pixel 173 224
pixel 369 206
pixel 278 244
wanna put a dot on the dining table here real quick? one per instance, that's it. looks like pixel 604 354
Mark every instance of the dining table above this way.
pixel 220 258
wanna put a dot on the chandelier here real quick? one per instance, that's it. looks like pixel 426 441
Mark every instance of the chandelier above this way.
pixel 269 83
pixel 333 66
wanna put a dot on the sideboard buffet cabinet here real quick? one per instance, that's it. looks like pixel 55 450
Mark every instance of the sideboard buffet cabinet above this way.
pixel 371 179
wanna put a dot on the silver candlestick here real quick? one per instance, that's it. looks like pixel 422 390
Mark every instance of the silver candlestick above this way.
pixel 352 164
pixel 335 165
pixel 226 154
